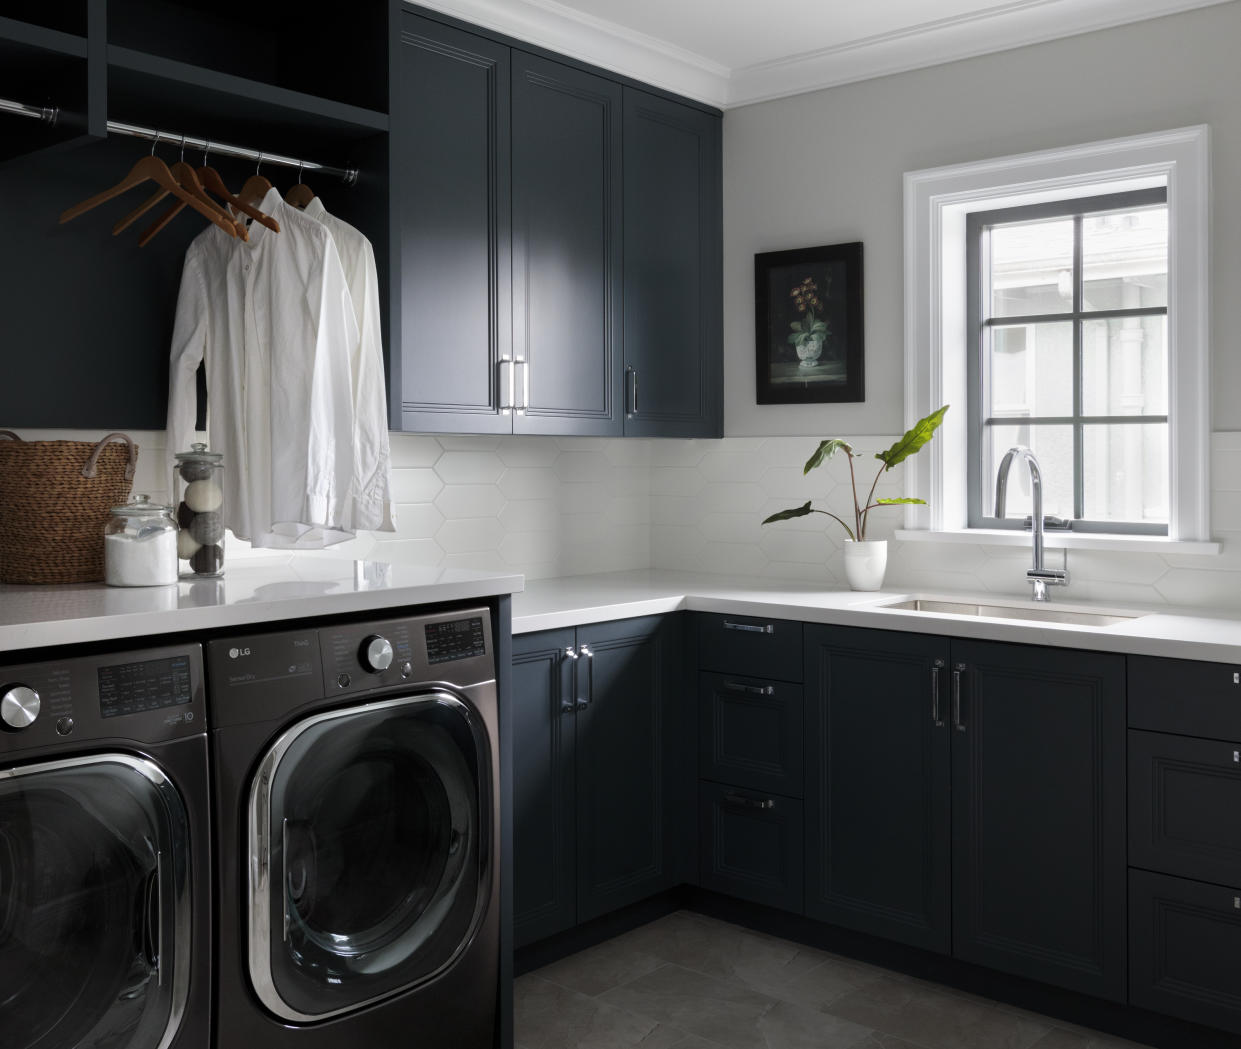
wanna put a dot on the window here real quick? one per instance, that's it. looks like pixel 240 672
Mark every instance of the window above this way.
pixel 1054 335
pixel 1068 355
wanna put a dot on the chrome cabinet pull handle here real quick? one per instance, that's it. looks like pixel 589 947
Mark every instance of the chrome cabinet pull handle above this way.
pixel 753 690
pixel 587 653
pixel 631 391
pixel 525 386
pixel 936 667
pixel 752 803
pixel 750 628
pixel 567 706
pixel 506 402
pixel 957 671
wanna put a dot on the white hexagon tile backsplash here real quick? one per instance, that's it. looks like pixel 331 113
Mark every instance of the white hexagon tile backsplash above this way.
pixel 548 506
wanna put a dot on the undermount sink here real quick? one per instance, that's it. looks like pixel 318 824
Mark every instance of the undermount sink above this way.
pixel 1029 612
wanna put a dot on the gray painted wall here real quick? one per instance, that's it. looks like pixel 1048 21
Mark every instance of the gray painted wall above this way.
pixel 827 167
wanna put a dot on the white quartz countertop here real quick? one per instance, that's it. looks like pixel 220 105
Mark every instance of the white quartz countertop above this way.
pixel 304 587
pixel 547 604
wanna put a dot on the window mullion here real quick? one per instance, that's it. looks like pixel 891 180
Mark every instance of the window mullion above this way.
pixel 1079 436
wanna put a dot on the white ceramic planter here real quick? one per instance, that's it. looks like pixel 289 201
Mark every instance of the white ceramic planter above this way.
pixel 865 563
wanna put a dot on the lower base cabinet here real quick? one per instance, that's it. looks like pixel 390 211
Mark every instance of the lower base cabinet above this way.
pixel 602 814
pixel 1020 751
pixel 1185 940
pixel 751 845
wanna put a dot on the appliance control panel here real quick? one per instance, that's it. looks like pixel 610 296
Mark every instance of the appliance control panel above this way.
pixel 152 695
pixel 447 646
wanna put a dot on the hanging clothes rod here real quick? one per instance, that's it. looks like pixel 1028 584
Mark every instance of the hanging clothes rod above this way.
pixel 47 114
pixel 348 175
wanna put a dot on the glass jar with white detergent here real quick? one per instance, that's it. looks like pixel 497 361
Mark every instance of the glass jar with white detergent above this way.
pixel 140 544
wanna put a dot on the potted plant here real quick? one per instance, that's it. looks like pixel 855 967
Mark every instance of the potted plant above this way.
pixel 866 559
pixel 809 331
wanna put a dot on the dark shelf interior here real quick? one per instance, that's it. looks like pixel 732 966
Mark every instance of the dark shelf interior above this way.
pixel 36 77
pixel 196 102
pixel 63 16
pixel 267 42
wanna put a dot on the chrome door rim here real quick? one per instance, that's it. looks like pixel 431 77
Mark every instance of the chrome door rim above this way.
pixel 167 790
pixel 259 839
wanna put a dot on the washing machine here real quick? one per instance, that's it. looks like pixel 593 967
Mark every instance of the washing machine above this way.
pixel 104 852
pixel 357 834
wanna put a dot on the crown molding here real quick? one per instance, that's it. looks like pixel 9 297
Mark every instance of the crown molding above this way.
pixel 936 42
pixel 563 29
pixel 566 31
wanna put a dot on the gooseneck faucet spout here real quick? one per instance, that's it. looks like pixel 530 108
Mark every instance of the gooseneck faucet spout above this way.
pixel 1038 575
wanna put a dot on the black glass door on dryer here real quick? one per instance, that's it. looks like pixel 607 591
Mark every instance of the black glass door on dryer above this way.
pixel 94 905
pixel 371 848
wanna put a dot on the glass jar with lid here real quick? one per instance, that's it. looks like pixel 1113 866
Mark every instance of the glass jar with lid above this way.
pixel 200 511
pixel 140 544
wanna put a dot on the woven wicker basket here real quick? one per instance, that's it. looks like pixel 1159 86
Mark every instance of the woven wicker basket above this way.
pixel 54 501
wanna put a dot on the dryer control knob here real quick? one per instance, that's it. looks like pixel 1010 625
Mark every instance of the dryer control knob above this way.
pixel 376 654
pixel 19 706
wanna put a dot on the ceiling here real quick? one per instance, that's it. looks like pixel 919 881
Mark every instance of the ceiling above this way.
pixel 736 52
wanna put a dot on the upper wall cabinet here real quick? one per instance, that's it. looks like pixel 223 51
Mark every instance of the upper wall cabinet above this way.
pixel 673 269
pixel 559 247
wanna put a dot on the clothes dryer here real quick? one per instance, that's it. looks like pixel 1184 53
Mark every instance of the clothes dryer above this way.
pixel 358 835
pixel 104 862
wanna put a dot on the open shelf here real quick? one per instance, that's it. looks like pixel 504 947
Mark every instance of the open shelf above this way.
pixel 60 17
pixel 35 75
pixel 160 93
pixel 267 42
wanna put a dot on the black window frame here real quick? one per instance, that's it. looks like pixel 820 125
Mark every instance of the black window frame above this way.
pixel 978 225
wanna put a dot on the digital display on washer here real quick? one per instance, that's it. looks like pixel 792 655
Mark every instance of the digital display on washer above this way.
pixel 131 688
pixel 456 639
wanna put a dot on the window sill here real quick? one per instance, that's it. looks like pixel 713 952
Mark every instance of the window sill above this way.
pixel 1129 544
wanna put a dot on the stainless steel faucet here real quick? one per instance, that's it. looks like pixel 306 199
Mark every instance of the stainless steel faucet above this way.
pixel 1038 575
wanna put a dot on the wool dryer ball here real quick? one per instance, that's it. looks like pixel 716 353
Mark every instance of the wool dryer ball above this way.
pixel 203 496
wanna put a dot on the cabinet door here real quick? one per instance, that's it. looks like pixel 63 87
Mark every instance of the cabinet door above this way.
pixel 566 249
pixel 631 808
pixel 544 796
pixel 673 274
pixel 877 769
pixel 751 845
pixel 451 198
pixel 1038 819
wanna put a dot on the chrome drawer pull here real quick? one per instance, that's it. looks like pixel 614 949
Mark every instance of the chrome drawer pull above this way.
pixel 935 669
pixel 753 690
pixel 750 628
pixel 957 671
pixel 752 803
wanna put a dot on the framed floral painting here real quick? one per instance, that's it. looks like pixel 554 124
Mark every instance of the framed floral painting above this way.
pixel 808 325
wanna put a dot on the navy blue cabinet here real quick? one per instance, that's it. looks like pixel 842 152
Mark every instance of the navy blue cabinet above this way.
pixel 673 269
pixel 560 250
pixel 970 796
pixel 601 796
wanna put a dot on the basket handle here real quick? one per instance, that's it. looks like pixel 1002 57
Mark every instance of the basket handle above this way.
pixel 10 435
pixel 92 464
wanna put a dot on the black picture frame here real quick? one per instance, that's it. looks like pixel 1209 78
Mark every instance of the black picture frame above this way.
pixel 789 285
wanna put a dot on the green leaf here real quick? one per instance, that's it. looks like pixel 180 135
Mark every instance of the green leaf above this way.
pixel 796 325
pixel 825 451
pixel 895 502
pixel 819 326
pixel 788 515
pixel 923 430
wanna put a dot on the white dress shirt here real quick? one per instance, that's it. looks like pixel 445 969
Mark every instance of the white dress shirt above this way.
pixel 372 504
pixel 274 320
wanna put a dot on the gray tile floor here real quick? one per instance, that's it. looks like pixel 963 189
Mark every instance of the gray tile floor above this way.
pixel 690 982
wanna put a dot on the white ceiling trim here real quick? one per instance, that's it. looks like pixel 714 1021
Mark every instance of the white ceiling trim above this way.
pixel 558 27
pixel 942 40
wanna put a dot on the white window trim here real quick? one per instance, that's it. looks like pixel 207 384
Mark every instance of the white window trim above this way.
pixel 937 201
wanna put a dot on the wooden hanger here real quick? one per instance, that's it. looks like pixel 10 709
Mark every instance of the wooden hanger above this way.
pixel 149 169
pixel 256 186
pixel 211 181
pixel 185 174
pixel 301 194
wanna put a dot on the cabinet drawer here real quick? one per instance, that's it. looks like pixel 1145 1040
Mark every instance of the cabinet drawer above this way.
pixel 1184 942
pixel 766 648
pixel 1185 696
pixel 751 845
pixel 750 733
pixel 1185 806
